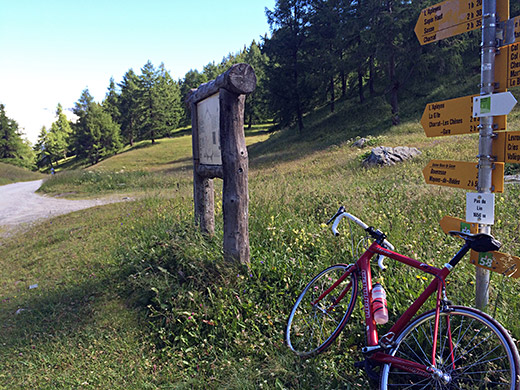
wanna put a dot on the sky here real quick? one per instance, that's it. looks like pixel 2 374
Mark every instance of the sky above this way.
pixel 51 50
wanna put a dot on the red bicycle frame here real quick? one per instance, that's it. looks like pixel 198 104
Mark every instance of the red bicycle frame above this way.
pixel 362 266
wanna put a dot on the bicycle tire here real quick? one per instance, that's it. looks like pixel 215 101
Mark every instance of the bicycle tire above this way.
pixel 485 356
pixel 312 328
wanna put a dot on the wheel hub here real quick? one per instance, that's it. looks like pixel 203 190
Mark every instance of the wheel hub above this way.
pixel 440 376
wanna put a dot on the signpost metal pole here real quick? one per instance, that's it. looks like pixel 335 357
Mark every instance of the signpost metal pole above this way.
pixel 485 165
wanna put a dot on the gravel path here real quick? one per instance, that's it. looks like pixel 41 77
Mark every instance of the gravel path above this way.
pixel 20 204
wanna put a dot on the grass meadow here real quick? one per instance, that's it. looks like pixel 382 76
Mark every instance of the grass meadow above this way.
pixel 132 296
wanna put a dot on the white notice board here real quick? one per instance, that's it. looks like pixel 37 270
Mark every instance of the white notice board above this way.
pixel 208 118
pixel 480 208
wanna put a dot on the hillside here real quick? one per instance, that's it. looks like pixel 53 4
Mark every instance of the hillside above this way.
pixel 11 174
pixel 132 296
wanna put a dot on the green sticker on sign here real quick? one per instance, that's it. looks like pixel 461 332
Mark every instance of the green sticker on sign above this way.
pixel 465 227
pixel 485 259
pixel 485 105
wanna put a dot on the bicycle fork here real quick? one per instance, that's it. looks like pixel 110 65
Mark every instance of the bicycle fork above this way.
pixel 334 285
pixel 441 300
pixel 420 369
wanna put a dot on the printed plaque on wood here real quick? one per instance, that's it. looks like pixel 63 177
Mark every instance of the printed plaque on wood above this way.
pixel 208 118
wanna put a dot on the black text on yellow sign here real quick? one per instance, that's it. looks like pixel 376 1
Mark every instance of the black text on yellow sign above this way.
pixel 454 116
pixel 507 67
pixel 506 146
pixel 453 17
pixel 461 174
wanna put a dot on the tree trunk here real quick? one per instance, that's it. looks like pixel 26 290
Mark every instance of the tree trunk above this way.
pixel 299 114
pixel 343 84
pixel 250 116
pixel 394 88
pixel 394 83
pixel 371 76
pixel 235 167
pixel 360 85
pixel 332 94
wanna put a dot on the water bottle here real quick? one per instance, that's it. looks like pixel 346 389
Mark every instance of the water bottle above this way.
pixel 379 308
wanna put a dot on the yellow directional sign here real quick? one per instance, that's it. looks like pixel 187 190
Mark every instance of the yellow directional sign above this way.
pixel 506 146
pixel 498 262
pixel 446 19
pixel 507 67
pixel 461 174
pixel 512 31
pixel 454 116
pixel 453 17
pixel 449 224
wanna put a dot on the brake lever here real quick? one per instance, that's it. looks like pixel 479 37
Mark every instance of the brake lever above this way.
pixel 340 211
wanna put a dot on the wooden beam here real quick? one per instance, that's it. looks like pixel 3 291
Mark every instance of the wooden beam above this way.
pixel 210 171
pixel 235 164
pixel 239 79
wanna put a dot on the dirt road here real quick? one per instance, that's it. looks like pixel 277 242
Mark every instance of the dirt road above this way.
pixel 19 204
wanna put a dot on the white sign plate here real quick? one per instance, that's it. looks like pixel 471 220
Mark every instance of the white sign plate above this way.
pixel 480 208
pixel 208 122
pixel 493 105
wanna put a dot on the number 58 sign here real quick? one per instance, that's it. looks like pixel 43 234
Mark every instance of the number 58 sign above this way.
pixel 501 263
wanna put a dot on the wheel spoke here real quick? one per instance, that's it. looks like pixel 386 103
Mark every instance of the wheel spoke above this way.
pixel 484 357
pixel 312 327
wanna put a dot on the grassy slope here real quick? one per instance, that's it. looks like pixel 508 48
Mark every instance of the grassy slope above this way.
pixel 10 174
pixel 130 296
pixel 141 169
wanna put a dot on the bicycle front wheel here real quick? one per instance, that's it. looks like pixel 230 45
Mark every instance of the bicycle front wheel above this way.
pixel 312 324
pixel 479 354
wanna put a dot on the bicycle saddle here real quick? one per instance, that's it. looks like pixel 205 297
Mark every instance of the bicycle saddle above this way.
pixel 480 242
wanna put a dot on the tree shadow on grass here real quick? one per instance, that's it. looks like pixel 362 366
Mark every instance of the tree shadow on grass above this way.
pixel 41 315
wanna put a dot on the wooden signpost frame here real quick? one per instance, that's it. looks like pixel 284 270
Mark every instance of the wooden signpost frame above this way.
pixel 231 86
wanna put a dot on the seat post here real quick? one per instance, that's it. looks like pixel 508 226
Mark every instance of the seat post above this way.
pixel 460 254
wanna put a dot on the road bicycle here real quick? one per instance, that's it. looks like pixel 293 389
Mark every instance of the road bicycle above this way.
pixel 449 347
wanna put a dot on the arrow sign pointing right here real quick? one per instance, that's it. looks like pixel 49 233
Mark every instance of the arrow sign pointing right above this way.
pixel 493 105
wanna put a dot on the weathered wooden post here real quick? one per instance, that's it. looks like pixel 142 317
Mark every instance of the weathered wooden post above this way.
pixel 219 151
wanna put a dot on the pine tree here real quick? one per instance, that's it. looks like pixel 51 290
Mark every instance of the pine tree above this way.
pixel 96 135
pixel 128 107
pixel 170 100
pixel 104 134
pixel 158 103
pixel 81 140
pixel 13 148
pixel 40 149
pixel 256 105
pixel 58 137
pixel 289 72
pixel 111 102
pixel 149 127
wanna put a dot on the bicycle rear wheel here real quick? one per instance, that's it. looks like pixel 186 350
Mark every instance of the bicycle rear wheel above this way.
pixel 483 355
pixel 312 327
